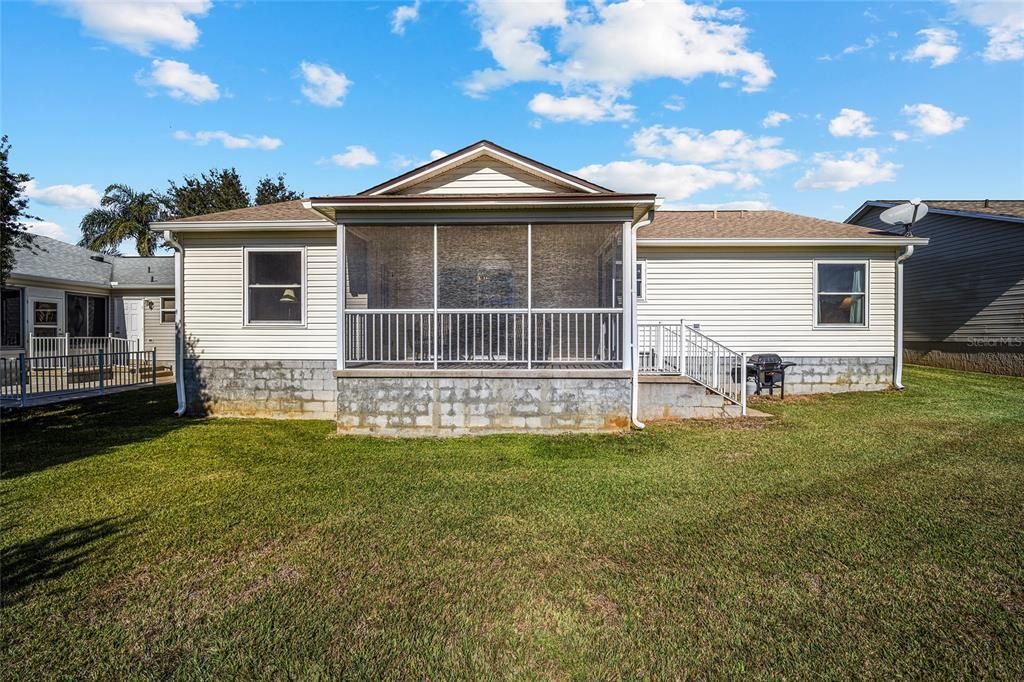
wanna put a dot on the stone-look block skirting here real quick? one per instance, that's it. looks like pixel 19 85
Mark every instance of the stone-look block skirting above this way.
pixel 280 389
pixel 996 358
pixel 837 374
pixel 453 405
pixel 670 398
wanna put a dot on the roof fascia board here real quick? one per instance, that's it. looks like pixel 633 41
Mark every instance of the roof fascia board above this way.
pixel 17 279
pixel 211 225
pixel 495 217
pixel 513 201
pixel 851 241
pixel 472 153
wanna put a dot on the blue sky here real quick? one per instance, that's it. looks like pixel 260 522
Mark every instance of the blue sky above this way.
pixel 870 99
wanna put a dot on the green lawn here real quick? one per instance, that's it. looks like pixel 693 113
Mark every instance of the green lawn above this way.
pixel 873 535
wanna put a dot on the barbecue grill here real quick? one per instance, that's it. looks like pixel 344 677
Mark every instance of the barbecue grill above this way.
pixel 768 371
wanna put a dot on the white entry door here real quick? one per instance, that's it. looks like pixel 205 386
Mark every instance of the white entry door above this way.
pixel 133 323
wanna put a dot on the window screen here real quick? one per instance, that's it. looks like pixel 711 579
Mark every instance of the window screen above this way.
pixel 842 293
pixel 275 287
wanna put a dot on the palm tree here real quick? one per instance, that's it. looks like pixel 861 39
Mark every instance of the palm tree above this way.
pixel 123 214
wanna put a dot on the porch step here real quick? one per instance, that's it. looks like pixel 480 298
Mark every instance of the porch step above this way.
pixel 666 397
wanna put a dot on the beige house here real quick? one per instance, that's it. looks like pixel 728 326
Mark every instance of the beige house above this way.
pixel 486 291
pixel 64 299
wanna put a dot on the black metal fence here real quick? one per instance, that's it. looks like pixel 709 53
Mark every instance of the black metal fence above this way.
pixel 23 377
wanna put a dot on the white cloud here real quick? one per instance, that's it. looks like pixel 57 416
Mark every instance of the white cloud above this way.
pixel 868 43
pixel 851 123
pixel 932 120
pixel 900 135
pixel 355 156
pixel 436 154
pixel 774 119
pixel 1002 21
pixel 64 196
pixel 46 229
pixel 404 14
pixel 609 47
pixel 139 26
pixel 675 103
pixel 204 137
pixel 853 169
pixel 724 148
pixel 401 161
pixel 672 181
pixel 742 205
pixel 582 108
pixel 939 45
pixel 181 82
pixel 323 85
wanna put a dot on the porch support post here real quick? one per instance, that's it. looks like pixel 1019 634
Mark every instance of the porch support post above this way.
pixel 529 295
pixel 437 328
pixel 628 294
pixel 342 291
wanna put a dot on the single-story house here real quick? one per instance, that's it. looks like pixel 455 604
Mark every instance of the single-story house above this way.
pixel 61 298
pixel 965 292
pixel 487 291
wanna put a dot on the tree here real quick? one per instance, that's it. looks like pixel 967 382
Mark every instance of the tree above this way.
pixel 270 191
pixel 218 190
pixel 13 212
pixel 123 214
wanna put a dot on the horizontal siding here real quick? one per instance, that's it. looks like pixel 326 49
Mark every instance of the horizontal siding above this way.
pixel 484 176
pixel 214 296
pixel 755 300
pixel 158 334
pixel 968 283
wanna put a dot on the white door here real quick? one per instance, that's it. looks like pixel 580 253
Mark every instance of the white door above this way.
pixel 133 324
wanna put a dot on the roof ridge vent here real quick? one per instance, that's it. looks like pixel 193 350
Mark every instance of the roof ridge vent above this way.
pixel 98 259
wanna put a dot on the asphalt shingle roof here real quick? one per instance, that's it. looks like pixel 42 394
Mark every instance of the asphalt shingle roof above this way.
pixel 749 225
pixel 1013 208
pixel 53 259
pixel 284 210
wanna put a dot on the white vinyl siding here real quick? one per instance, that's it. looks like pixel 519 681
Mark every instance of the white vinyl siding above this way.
pixel 762 299
pixel 214 298
pixel 157 334
pixel 484 176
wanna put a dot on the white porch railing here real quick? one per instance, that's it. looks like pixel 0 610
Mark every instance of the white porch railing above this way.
pixel 474 336
pixel 681 349
pixel 52 346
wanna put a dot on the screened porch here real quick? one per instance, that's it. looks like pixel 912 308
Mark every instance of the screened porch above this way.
pixel 532 296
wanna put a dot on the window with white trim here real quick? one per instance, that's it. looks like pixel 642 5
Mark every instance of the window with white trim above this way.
pixel 275 286
pixel 11 321
pixel 641 280
pixel 167 310
pixel 841 294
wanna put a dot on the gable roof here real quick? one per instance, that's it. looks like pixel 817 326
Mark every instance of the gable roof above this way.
pixel 754 226
pixel 284 211
pixel 51 259
pixel 475 150
pixel 1011 210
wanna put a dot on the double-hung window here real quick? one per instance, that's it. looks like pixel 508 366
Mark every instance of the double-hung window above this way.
pixel 841 294
pixel 275 286
pixel 167 310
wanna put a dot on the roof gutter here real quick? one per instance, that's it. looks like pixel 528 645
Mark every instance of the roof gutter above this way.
pixel 851 241
pixel 897 365
pixel 179 328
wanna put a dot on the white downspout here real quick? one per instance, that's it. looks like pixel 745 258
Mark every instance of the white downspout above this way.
pixel 897 367
pixel 179 329
pixel 634 341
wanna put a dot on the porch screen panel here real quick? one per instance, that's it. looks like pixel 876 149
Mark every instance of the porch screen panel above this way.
pixel 577 292
pixel 483 289
pixel 389 293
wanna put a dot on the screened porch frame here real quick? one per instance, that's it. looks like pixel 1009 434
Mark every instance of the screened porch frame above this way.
pixel 605 330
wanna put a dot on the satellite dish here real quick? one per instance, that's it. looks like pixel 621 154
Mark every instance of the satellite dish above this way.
pixel 905 215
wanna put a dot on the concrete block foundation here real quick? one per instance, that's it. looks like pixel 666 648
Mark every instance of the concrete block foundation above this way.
pixel 278 389
pixel 840 374
pixel 421 404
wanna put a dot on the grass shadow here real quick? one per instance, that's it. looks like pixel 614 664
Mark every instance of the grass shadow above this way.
pixel 37 438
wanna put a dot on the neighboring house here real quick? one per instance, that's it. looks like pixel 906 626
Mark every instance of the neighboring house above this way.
pixel 965 292
pixel 62 297
pixel 484 292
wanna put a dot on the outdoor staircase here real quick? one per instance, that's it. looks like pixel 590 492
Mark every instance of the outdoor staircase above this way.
pixel 677 397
